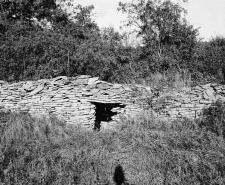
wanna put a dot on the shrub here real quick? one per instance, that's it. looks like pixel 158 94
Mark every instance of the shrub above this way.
pixel 214 119
pixel 148 152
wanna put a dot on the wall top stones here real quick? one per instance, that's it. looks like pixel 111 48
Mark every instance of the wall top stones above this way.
pixel 72 99
pixel 87 100
pixel 188 103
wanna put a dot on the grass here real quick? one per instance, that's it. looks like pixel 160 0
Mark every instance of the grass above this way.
pixel 169 80
pixel 34 151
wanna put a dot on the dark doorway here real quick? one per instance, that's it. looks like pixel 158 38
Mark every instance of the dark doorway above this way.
pixel 104 113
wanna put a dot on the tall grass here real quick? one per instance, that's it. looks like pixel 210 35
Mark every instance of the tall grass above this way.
pixel 148 152
pixel 168 80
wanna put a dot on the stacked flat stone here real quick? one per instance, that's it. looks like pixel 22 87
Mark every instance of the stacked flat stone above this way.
pixel 188 103
pixel 71 99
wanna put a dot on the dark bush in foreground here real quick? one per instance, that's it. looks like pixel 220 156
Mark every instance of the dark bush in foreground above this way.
pixel 214 119
pixel 147 152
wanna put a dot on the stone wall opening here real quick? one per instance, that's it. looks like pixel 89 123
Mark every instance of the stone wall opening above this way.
pixel 104 113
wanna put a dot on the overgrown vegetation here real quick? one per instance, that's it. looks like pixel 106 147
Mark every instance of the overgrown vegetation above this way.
pixel 45 39
pixel 37 151
pixel 42 39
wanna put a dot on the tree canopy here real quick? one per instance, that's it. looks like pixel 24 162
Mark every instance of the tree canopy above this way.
pixel 163 28
pixel 48 38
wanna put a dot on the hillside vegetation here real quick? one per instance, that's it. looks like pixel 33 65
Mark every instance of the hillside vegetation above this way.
pixel 144 151
pixel 49 38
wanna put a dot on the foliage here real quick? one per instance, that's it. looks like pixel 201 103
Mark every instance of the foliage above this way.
pixel 168 39
pixel 209 57
pixel 45 39
pixel 12 10
pixel 59 43
pixel 148 152
pixel 103 56
pixel 214 118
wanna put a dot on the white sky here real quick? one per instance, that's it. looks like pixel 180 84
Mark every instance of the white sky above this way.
pixel 209 15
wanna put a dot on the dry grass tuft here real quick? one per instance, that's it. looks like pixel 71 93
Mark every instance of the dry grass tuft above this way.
pixel 149 152
pixel 168 80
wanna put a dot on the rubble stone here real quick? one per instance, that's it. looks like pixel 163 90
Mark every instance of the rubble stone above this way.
pixel 70 99
pixel 74 100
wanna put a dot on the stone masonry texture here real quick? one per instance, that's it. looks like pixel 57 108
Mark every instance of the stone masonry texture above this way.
pixel 188 103
pixel 72 99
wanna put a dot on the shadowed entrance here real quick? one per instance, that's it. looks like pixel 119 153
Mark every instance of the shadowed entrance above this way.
pixel 104 112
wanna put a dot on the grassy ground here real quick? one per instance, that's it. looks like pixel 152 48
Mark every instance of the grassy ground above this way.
pixel 167 81
pixel 139 152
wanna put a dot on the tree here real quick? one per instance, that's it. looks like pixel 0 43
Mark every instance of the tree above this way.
pixel 105 56
pixel 163 28
pixel 41 39
pixel 31 50
pixel 209 58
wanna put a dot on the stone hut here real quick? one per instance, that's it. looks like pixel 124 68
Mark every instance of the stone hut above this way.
pixel 77 100
pixel 96 104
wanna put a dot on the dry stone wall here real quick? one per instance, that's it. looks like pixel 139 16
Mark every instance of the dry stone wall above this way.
pixel 91 102
pixel 78 100
pixel 188 103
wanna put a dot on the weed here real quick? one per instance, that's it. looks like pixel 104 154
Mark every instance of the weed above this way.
pixel 34 151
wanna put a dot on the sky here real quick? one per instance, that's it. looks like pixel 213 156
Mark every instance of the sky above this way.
pixel 208 15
